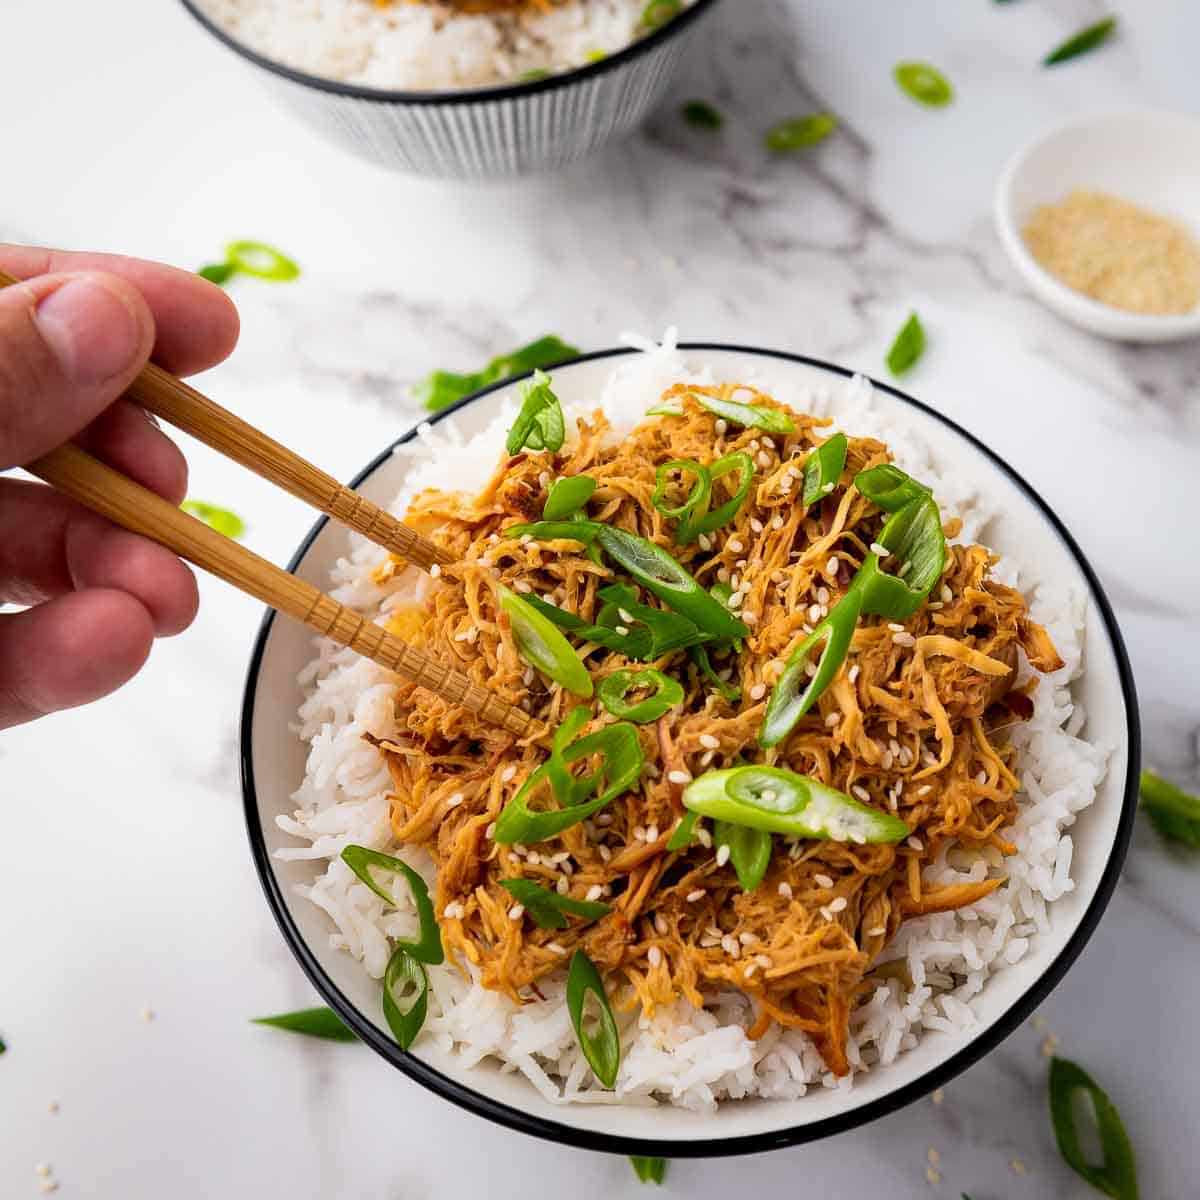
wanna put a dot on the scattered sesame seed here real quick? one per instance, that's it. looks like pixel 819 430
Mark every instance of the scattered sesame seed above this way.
pixel 1018 1167
pixel 882 551
pixel 508 772
pixel 556 947
pixel 946 594
pixel 516 912
pixel 924 789
pixel 758 691
pixel 705 541
pixel 704 837
pixel 563 886
pixel 734 547
pixel 52 1107
pixel 981 777
pixel 785 890
pixel 654 957
pixel 748 939
pixel 838 904
pixel 730 945
pixel 623 630
pixel 720 425
pixel 895 627
pixel 861 792
pixel 824 881
pixel 722 854
pixel 594 893
pixel 147 1015
pixel 1049 1045
pixel 833 719
pixel 904 639
pixel 605 853
pixel 750 971
pixel 777 522
pixel 939 1096
pixel 639 833
pixel 652 833
pixel 814 613
pixel 826 914
pixel 435 570
pixel 455 800
pixel 678 776
pixel 764 459
pixel 933 1175
pixel 48 1185
pixel 763 961
pixel 707 757
pixel 852 674
pixel 877 931
pixel 915 843
pixel 756 525
pixel 832 566
pixel 522 586
pixel 43 1170
pixel 750 617
pixel 698 894
pixel 710 742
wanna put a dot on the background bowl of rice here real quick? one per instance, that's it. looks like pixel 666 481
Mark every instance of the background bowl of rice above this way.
pixel 1079 766
pixel 455 129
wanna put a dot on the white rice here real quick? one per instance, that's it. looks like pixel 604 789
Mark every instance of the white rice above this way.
pixel 426 46
pixel 682 1055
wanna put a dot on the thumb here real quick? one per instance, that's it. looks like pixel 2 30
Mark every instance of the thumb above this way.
pixel 69 346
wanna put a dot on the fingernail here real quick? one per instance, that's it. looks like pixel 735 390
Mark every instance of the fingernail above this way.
pixel 91 329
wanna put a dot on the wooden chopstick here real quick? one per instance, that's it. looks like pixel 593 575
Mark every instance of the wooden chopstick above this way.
pixel 126 503
pixel 161 393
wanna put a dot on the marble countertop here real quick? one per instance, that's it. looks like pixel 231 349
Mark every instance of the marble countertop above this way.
pixel 137 941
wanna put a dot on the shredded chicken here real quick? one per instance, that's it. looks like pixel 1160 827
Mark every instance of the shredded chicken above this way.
pixel 914 724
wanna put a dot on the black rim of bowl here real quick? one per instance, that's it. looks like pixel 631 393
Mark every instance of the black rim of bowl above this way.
pixel 555 1131
pixel 505 91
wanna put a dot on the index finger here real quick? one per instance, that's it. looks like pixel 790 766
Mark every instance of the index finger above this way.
pixel 196 324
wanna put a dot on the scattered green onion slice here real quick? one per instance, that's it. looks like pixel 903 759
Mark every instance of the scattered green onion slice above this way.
pixel 539 424
pixel 798 133
pixel 312 1022
pixel 1117 1174
pixel 615 688
pixel 649 1170
pixel 659 573
pixel 750 416
pixel 260 260
pixel 218 273
pixel 823 468
pixel 924 83
pixel 658 12
pixel 620 764
pixel 889 488
pixel 602 1049
pixel 729 692
pixel 1080 43
pixel 568 496
pixel 682 834
pixel 360 859
pixel 697 497
pixel 440 389
pixel 552 531
pixel 914 537
pixel 724 513
pixel 405 996
pixel 1172 811
pixel 702 115
pixel 794 692
pixel 542 646
pixel 779 801
pixel 220 519
pixel 749 851
pixel 548 908
pixel 908 346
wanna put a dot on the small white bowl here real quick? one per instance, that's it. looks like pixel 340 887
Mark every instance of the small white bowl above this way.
pixel 1151 158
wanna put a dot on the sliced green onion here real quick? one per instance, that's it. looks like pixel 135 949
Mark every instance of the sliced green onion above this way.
pixel 552 531
pixel 220 519
pixel 798 133
pixel 360 859
pixel 667 630
pixel 682 834
pixel 658 12
pixel 1080 43
pixel 539 424
pixel 696 499
pixel 262 261
pixel 440 389
pixel 312 1022
pixel 542 646
pixel 823 468
pixel 779 801
pixel 794 692
pixel 724 513
pixel 649 1170
pixel 595 56
pixel 1172 811
pixel 749 851
pixel 602 1049
pixel 218 273
pixel 729 692
pixel 567 496
pixel 701 115
pixel 914 536
pixel 615 688
pixel 1116 1176
pixel 620 765
pixel 889 488
pixel 751 416
pixel 533 75
pixel 924 83
pixel 908 346
pixel 548 909
pixel 405 996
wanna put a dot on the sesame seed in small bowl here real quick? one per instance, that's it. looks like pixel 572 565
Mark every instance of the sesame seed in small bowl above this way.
pixel 1101 216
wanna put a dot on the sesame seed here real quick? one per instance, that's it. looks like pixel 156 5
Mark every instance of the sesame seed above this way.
pixel 861 792
pixel 698 894
pixel 730 945
pixel 748 939
pixel 508 772
pixel 722 854
pixel 852 674
pixel 52 1107
pixel 652 833
pixel 435 570
pixel 735 586
pixel 678 776
pixel 925 789
pixel 455 800
pixel 877 931
pixel 48 1185
pixel 756 525
pixel 639 833
pixel 750 970
pixel 516 912
pixel 707 757
pixel 831 567
pixel 1018 1166
pixel 826 913
pixel 763 961
pixel 939 1095
pixel 704 837
pixel 705 541
pixel 43 1170
pixel 785 890
pixel 933 1175
pixel 605 853
pixel 722 574
pixel 764 459
pixel 904 639
pixel 448 911
pixel 522 586
pixel 623 630
pixel 838 904
pixel 915 843
pixel 777 522
pixel 594 893
pixel 734 547
pixel 1049 1045
pixel 946 594
pixel 981 777
pixel 556 947
pixel 654 957
pixel 833 719
pixel 709 742
pixel 604 819
pixel 823 881
pixel 563 886
pixel 758 691
pixel 147 1015
pixel 895 628
pixel 814 613
pixel 720 425
pixel 827 489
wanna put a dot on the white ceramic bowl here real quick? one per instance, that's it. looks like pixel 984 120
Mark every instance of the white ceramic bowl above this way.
pixel 1151 158
pixel 273 766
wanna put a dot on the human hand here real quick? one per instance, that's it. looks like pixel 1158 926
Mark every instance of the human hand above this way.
pixel 72 338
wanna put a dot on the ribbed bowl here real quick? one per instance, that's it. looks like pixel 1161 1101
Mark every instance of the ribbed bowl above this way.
pixel 483 133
